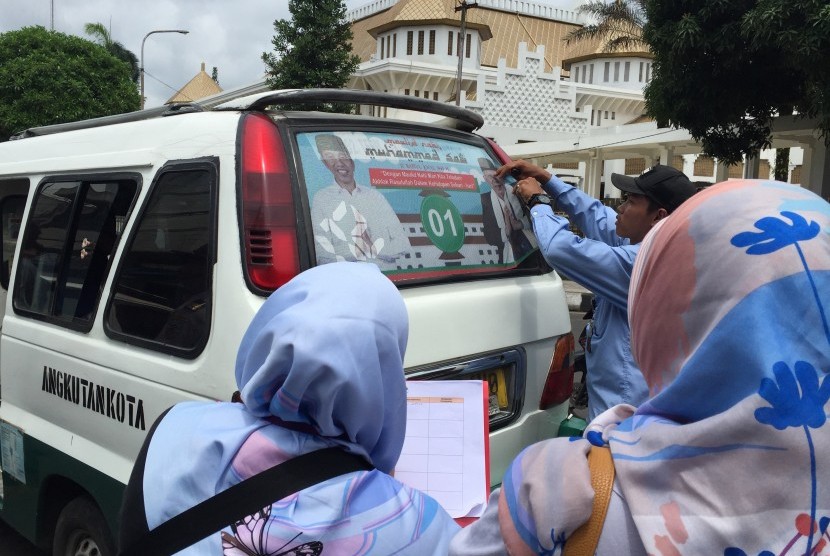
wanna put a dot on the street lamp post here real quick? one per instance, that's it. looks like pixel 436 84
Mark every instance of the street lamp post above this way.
pixel 141 70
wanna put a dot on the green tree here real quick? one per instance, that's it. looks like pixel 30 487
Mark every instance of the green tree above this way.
pixel 724 69
pixel 50 78
pixel 102 35
pixel 313 49
pixel 618 24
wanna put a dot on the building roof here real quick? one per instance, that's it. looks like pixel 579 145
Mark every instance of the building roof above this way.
pixel 201 86
pixel 578 51
pixel 428 12
pixel 504 29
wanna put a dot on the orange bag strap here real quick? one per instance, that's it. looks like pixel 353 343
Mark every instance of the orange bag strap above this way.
pixel 585 539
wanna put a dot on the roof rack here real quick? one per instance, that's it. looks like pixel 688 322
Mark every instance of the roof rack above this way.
pixel 462 118
pixel 136 116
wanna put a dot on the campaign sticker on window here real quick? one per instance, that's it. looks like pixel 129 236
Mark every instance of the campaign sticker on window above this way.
pixel 419 207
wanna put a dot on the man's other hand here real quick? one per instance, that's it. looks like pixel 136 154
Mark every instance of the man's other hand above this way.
pixel 521 169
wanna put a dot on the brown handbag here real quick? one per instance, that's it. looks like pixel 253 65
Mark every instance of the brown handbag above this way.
pixel 585 539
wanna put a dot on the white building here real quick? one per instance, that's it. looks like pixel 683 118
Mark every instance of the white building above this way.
pixel 576 108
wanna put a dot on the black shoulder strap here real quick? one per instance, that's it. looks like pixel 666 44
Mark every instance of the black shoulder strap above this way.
pixel 246 498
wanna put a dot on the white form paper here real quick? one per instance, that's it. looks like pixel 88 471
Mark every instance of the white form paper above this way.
pixel 444 453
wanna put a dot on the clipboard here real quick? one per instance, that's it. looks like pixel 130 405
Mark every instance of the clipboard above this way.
pixel 446 452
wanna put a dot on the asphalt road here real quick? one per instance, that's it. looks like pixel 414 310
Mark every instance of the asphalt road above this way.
pixel 12 544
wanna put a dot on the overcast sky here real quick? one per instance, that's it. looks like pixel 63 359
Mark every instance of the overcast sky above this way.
pixel 228 34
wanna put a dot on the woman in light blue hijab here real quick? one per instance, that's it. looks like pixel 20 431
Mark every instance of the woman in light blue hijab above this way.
pixel 320 365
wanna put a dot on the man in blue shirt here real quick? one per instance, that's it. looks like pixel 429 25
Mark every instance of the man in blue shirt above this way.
pixel 602 261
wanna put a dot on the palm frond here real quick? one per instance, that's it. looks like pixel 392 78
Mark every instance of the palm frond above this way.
pixel 619 24
pixel 100 33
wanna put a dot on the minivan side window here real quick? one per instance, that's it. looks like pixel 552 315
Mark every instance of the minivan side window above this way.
pixel 161 295
pixel 68 243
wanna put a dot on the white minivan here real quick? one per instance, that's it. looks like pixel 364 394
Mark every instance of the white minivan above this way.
pixel 137 248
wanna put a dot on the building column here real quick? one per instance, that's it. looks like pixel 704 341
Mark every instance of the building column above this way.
pixel 593 175
pixel 752 165
pixel 815 168
pixel 689 165
pixel 721 171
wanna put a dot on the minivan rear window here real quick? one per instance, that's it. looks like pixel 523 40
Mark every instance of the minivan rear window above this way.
pixel 417 206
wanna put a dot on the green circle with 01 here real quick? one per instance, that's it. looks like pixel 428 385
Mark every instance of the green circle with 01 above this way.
pixel 442 223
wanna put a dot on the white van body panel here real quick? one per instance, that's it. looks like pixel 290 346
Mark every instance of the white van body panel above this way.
pixel 526 308
pixel 158 381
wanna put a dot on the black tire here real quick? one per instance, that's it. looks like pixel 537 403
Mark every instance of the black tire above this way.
pixel 81 530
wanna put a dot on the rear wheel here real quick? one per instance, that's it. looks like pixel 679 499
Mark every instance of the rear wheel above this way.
pixel 81 530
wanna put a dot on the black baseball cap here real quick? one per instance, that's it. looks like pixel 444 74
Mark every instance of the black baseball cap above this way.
pixel 666 186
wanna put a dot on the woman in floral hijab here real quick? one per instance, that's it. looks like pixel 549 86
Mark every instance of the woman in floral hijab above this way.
pixel 320 365
pixel 730 318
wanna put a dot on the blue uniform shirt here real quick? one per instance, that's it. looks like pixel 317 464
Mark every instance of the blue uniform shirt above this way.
pixel 601 262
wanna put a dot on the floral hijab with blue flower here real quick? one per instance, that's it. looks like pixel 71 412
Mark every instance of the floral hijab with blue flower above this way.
pixel 729 305
pixel 729 308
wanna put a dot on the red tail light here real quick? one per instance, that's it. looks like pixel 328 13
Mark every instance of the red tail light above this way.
pixel 503 156
pixel 269 221
pixel 560 381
